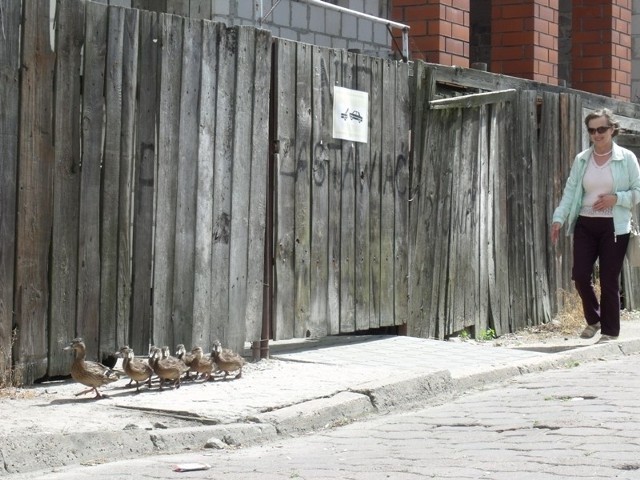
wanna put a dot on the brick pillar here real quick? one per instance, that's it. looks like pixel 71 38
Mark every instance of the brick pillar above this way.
pixel 601 47
pixel 439 30
pixel 524 39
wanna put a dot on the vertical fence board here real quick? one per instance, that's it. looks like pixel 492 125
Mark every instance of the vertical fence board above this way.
pixel 9 99
pixel 185 216
pixel 168 153
pixel 66 184
pixel 240 184
pixel 258 188
pixel 378 113
pixel 335 186
pixel 484 221
pixel 347 214
pixel 402 112
pixel 302 199
pixel 500 156
pixel 418 322
pixel 204 188
pixel 362 253
pixel 144 183
pixel 223 165
pixel 111 181
pixel 285 191
pixel 387 195
pixel 125 239
pixel 33 226
pixel 321 141
pixel 88 322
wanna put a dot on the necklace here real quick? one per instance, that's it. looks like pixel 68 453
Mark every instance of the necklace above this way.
pixel 602 154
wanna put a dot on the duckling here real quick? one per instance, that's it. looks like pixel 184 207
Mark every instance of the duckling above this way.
pixel 91 374
pixel 166 367
pixel 200 364
pixel 136 369
pixel 187 358
pixel 227 360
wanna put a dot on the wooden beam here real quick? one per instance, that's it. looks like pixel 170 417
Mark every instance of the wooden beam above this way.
pixel 473 100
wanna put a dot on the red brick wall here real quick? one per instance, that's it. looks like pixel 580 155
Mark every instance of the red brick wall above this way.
pixel 439 29
pixel 524 39
pixel 601 54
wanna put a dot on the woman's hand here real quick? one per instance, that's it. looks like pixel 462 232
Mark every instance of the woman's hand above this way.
pixel 605 200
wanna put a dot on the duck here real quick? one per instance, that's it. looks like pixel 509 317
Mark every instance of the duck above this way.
pixel 166 367
pixel 201 364
pixel 227 360
pixel 136 369
pixel 90 374
pixel 187 358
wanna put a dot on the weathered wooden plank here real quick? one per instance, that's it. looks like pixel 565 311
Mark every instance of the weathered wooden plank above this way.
pixel 204 189
pixel 500 155
pixel 417 321
pixel 223 161
pixel 401 182
pixel 185 214
pixel 302 199
pixel 88 320
pixel 66 184
pixel 347 214
pixel 258 189
pixel 285 188
pixel 377 113
pixel 387 196
pixel 478 79
pixel 362 254
pixel 474 99
pixel 320 142
pixel 127 147
pixel 111 182
pixel 200 9
pixel 484 223
pixel 33 223
pixel 168 158
pixel 9 99
pixel 144 183
pixel 335 186
pixel 240 194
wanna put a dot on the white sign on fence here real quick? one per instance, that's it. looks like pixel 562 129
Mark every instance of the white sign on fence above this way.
pixel 350 114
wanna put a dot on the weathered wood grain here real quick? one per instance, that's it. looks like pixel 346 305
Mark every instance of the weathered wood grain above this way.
pixel 202 314
pixel 35 170
pixel 111 182
pixel 302 195
pixel 285 191
pixel 347 213
pixel 240 184
pixel 260 140
pixel 9 135
pixel 362 253
pixel 93 111
pixel 166 195
pixel 140 334
pixel 321 140
pixel 185 214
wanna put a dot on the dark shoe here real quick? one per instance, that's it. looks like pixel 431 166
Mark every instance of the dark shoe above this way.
pixel 607 339
pixel 590 330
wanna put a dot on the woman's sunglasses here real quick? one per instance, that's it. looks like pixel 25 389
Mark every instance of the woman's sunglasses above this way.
pixel 600 130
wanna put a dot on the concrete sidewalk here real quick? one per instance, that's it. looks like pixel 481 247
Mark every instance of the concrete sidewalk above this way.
pixel 304 386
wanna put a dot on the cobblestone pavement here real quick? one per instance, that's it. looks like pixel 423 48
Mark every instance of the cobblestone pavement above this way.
pixel 577 423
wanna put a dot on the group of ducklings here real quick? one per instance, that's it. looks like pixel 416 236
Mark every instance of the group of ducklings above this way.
pixel 166 367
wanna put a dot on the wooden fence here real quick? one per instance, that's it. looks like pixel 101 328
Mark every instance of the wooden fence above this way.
pixel 135 203
pixel 141 191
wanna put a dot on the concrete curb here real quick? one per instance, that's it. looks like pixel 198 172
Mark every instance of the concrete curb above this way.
pixel 29 453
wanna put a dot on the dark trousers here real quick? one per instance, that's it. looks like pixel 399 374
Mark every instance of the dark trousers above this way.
pixel 594 239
